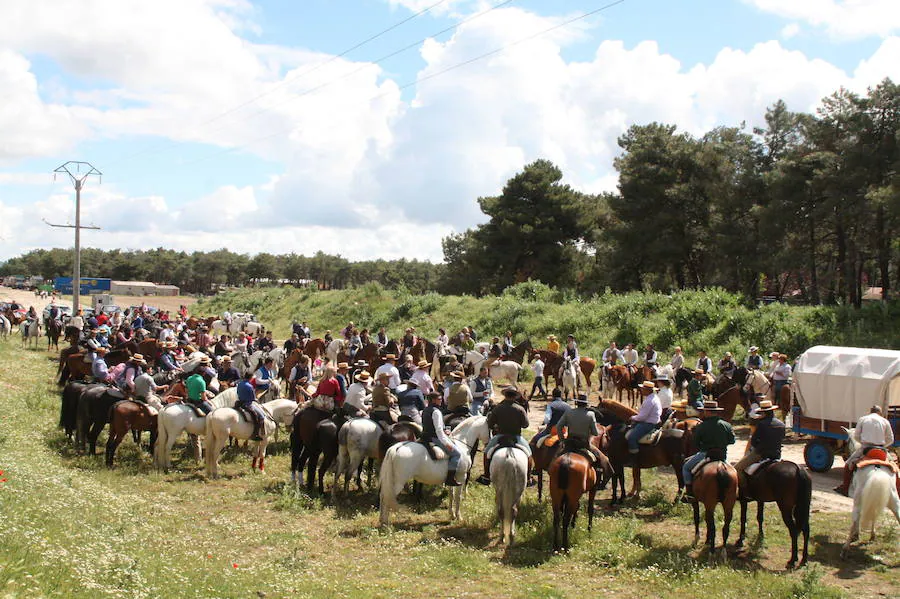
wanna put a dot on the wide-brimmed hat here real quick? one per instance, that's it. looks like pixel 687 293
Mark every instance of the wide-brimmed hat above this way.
pixel 343 365
pixel 753 348
pixel 661 377
pixel 696 372
pixel 766 406
pixel 390 357
pixel 711 405
pixel 582 399
pixel 362 363
pixel 423 364
pixel 138 359
pixel 551 337
pixel 205 360
pixel 773 354
pixel 226 359
pixel 648 385
pixel 409 382
pixel 510 391
pixel 363 377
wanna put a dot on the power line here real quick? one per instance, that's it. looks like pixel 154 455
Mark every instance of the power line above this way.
pixel 295 77
pixel 428 77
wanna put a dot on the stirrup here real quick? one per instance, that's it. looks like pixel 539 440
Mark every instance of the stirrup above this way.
pixel 484 480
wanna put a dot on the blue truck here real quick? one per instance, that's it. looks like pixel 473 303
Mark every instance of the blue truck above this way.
pixel 88 285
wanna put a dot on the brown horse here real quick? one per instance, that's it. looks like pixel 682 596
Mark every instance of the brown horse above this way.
pixel 292 360
pixel 424 350
pixel 790 487
pixel 717 482
pixel 553 361
pixel 77 369
pixel 543 457
pixel 314 348
pixel 124 416
pixel 571 476
pixel 622 379
pixel 150 349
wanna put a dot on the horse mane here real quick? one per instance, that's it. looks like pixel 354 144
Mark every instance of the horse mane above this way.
pixel 618 410
pixel 464 426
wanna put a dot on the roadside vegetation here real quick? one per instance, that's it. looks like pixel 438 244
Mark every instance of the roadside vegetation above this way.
pixel 72 528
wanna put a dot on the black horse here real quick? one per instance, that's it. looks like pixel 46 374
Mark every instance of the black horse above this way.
pixel 68 408
pixel 788 485
pixel 314 434
pixel 93 414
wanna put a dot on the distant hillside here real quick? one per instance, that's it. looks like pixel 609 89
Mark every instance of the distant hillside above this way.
pixel 711 319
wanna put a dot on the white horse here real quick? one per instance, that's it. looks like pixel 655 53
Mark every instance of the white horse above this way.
pixel 177 418
pixel 509 475
pixel 474 359
pixel 5 326
pixel 192 362
pixel 254 328
pixel 607 384
pixel 332 349
pixel 223 423
pixel 33 334
pixel 357 440
pixel 873 489
pixel 569 378
pixel 505 369
pixel 410 461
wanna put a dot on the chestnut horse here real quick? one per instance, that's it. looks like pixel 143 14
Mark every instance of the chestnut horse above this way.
pixel 544 455
pixel 128 415
pixel 77 369
pixel 622 379
pixel 571 476
pixel 553 362
pixel 717 482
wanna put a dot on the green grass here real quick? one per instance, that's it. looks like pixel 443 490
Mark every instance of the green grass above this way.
pixel 711 319
pixel 72 528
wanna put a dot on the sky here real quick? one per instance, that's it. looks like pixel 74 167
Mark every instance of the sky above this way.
pixel 369 128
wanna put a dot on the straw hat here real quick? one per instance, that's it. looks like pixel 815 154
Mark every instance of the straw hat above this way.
pixel 138 359
pixel 343 366
pixel 711 405
pixel 205 360
pixel 766 406
pixel 423 364
pixel 661 377
pixel 226 359
pixel 551 337
pixel 753 348
pixel 390 357
pixel 383 375
pixel 364 376
pixel 648 385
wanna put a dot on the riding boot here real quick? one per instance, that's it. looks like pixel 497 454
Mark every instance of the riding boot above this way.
pixel 451 479
pixel 844 487
pixel 485 478
pixel 256 426
pixel 688 496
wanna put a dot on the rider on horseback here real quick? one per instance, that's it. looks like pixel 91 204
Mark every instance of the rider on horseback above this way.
pixel 712 436
pixel 872 431
pixel 246 400
pixel 196 393
pixel 646 419
pixel 382 401
pixel 508 419
pixel 765 443
pixel 460 397
pixel 630 359
pixel 554 411
pixel 695 389
pixel 99 368
pixel 571 352
pixel 577 426
pixel 433 432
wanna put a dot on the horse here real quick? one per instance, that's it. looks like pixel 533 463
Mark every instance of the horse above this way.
pixel 128 415
pixel 176 418
pixel 873 488
pixel 54 331
pixel 505 369
pixel 5 326
pixel 68 408
pixel 332 349
pixel 670 449
pixel 788 485
pixel 30 333
pixel 93 413
pixel 314 348
pixel 509 476
pixel 411 461
pixel 569 378
pixel 571 476
pixel 622 379
pixel 363 438
pixel 305 443
pixel 223 423
pixel 553 361
pixel 519 352
pixel 76 368
pixel 717 482
pixel 472 361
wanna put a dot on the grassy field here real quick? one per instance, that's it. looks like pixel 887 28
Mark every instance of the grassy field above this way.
pixel 712 319
pixel 72 528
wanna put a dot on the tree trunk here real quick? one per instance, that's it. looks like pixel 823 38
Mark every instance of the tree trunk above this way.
pixel 813 275
pixel 884 257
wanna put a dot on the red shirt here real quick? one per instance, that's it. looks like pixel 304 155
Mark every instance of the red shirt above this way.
pixel 102 319
pixel 331 388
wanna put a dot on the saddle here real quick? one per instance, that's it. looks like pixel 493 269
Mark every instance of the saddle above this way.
pixel 505 441
pixel 713 455
pixel 653 437
pixel 141 402
pixel 760 466
pixel 550 440
pixel 244 413
pixel 435 452
pixel 576 447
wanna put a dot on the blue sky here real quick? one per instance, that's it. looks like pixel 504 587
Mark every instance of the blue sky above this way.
pixel 364 166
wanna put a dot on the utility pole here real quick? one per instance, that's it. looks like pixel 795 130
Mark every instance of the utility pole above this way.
pixel 78 180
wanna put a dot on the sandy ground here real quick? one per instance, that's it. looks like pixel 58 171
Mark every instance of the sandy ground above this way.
pixel 824 499
pixel 27 298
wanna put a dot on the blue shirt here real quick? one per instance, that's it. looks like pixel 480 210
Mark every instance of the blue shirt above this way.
pixel 166 362
pixel 137 323
pixel 245 393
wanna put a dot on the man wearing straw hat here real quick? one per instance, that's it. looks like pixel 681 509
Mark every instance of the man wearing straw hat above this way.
pixel 132 370
pixel 712 436
pixel 357 394
pixel 390 367
pixel 421 377
pixel 646 419
pixel 765 442
pixel 99 368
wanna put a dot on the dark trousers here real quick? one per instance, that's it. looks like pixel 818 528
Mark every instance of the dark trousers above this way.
pixel 538 386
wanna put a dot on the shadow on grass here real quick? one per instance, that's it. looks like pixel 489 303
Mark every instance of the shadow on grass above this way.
pixel 856 563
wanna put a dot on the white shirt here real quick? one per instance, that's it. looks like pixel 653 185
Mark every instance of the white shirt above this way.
pixel 356 395
pixel 874 429
pixel 77 322
pixel 781 372
pixel 538 367
pixel 630 356
pixel 677 361
pixel 438 420
pixel 392 371
pixel 422 381
pixel 665 397
pixel 144 385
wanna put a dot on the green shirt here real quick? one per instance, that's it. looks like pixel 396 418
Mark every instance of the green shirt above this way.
pixel 695 390
pixel 196 387
pixel 468 344
pixel 713 433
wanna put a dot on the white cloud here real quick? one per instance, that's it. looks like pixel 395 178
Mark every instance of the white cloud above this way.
pixel 790 30
pixel 847 19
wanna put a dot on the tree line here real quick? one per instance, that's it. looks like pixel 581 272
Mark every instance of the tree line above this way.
pixel 807 206
pixel 205 272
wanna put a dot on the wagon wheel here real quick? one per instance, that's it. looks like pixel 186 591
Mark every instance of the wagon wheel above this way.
pixel 819 455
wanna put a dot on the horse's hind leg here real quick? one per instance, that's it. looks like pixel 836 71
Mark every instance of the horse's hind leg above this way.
pixel 111 445
pixel 743 534
pixel 726 527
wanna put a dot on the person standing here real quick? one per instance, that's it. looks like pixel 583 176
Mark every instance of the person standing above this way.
pixel 712 436
pixel 781 374
pixel 537 367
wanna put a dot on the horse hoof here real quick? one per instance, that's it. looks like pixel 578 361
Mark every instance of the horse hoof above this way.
pixel 790 565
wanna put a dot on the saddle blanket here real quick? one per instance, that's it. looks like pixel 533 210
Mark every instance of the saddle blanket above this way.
pixel 753 468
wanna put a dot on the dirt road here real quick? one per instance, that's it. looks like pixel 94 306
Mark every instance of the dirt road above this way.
pixel 27 298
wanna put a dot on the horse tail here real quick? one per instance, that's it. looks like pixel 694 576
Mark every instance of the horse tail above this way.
pixel 804 499
pixel 723 480
pixel 342 435
pixel 874 496
pixel 563 475
pixel 386 483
